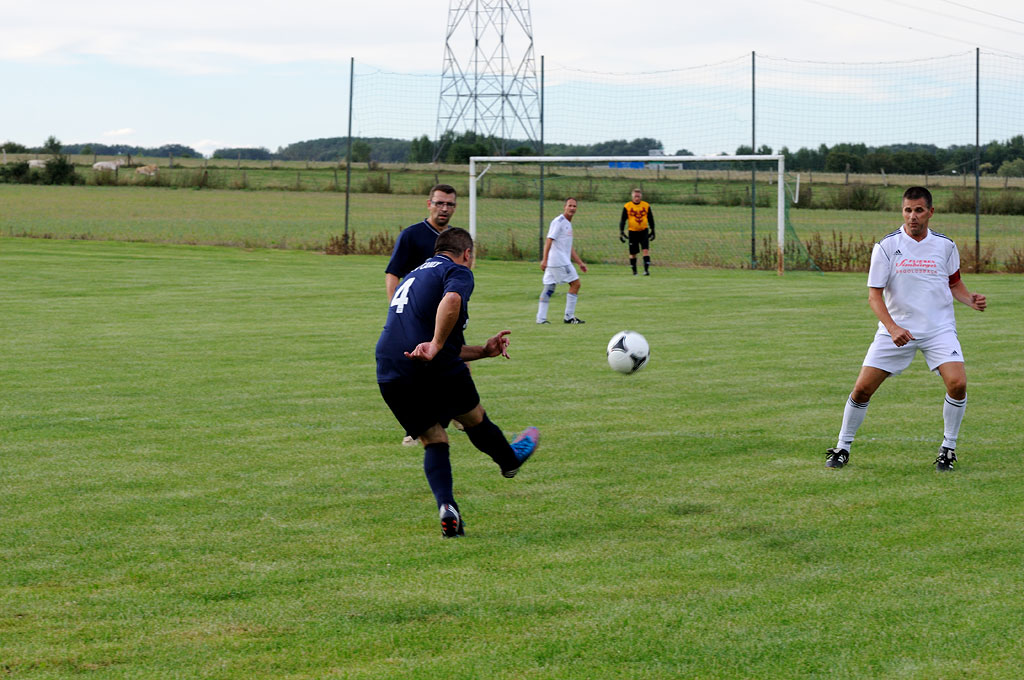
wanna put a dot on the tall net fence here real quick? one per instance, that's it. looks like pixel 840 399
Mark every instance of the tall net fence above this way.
pixel 854 136
pixel 702 214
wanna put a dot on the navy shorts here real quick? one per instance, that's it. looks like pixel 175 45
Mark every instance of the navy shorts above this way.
pixel 639 240
pixel 422 402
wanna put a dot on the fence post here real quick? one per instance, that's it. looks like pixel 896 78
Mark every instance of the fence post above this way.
pixel 977 159
pixel 348 157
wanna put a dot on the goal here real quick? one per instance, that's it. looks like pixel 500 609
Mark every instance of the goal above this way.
pixel 710 211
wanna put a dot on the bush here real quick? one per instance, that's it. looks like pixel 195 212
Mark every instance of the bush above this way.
pixel 513 189
pixel 58 170
pixel 841 254
pixel 806 198
pixel 1006 202
pixel 977 262
pixel 857 197
pixel 381 244
pixel 1015 263
pixel 16 173
pixel 693 199
pixel 377 184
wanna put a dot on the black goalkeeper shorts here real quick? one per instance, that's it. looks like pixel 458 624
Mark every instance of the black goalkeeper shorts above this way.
pixel 639 240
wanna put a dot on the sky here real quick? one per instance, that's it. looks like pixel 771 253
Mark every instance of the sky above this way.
pixel 228 73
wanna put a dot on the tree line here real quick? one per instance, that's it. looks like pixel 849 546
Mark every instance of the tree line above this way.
pixel 1005 158
pixel 165 151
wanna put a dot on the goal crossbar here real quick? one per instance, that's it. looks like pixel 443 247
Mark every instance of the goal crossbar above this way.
pixel 779 160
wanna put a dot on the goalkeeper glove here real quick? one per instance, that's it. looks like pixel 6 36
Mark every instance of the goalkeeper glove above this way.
pixel 622 237
pixel 652 234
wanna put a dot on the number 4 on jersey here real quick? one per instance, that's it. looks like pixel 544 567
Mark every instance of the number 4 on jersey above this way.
pixel 401 297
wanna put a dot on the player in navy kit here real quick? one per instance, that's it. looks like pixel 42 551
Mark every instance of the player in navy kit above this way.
pixel 416 243
pixel 913 280
pixel 422 372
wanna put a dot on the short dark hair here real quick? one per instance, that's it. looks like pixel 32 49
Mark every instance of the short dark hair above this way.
pixel 570 198
pixel 454 240
pixel 915 193
pixel 443 188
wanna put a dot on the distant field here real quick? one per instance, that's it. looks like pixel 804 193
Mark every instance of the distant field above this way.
pixel 508 228
pixel 284 171
pixel 200 480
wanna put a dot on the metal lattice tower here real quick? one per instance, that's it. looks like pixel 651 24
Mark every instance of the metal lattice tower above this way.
pixel 489 80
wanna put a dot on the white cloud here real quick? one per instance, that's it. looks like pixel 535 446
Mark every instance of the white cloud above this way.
pixel 122 132
pixel 208 146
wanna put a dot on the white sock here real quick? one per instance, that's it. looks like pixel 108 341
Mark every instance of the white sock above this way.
pixel 570 305
pixel 952 416
pixel 853 416
pixel 545 302
pixel 542 311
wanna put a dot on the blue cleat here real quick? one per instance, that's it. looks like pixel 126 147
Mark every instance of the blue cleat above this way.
pixel 523 446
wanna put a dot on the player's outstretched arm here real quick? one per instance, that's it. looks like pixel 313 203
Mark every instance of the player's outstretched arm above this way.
pixel 495 346
pixel 973 300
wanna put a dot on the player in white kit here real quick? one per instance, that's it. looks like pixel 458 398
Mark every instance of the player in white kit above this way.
pixel 913 280
pixel 557 265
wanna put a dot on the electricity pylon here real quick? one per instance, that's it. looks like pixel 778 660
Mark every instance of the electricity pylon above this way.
pixel 489 79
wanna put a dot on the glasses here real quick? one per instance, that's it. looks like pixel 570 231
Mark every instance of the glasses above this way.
pixel 443 204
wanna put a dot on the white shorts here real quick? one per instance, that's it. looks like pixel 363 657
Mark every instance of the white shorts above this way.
pixel 560 274
pixel 937 350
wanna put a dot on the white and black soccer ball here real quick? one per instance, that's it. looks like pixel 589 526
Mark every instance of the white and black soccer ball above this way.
pixel 628 352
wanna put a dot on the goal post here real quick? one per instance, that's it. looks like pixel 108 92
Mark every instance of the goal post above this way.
pixel 668 168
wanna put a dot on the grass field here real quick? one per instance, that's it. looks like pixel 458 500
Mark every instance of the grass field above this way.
pixel 508 228
pixel 200 480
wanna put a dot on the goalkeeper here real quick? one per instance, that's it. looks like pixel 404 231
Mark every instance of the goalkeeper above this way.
pixel 640 218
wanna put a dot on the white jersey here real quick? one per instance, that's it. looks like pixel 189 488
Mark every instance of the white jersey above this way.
pixel 560 231
pixel 915 276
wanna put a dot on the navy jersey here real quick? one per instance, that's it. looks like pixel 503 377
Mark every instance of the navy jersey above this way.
pixel 411 319
pixel 414 245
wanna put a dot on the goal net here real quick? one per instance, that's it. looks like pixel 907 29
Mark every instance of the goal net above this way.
pixel 709 211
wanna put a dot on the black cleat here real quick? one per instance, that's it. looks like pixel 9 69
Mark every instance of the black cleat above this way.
pixel 573 320
pixel 945 460
pixel 836 458
pixel 451 522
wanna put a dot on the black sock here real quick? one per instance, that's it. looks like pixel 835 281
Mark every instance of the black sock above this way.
pixel 488 438
pixel 647 262
pixel 632 263
pixel 438 469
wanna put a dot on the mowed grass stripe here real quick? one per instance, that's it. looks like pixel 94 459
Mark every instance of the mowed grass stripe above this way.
pixel 201 480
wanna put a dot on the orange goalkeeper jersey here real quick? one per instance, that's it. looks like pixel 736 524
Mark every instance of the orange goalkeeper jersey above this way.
pixel 637 215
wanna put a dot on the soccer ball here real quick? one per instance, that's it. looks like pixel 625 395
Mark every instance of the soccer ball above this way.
pixel 628 352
